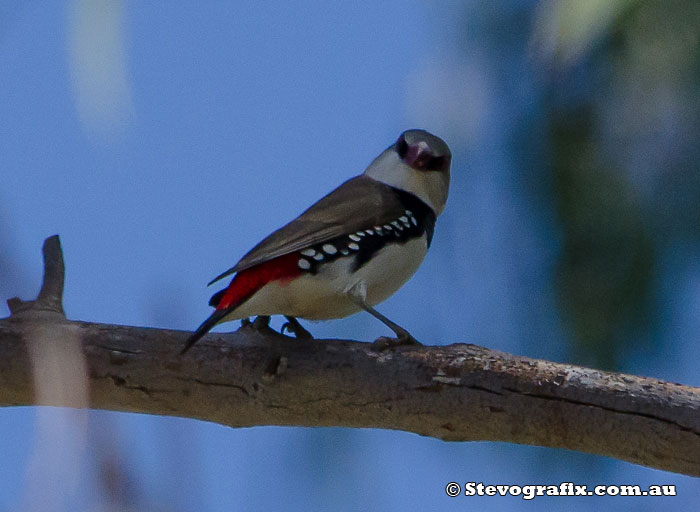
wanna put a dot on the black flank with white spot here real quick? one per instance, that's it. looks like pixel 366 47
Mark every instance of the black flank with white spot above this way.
pixel 417 219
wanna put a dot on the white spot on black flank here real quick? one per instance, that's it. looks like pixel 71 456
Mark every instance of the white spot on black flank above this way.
pixel 415 219
pixel 359 246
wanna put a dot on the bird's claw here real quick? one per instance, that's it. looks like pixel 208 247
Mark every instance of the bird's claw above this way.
pixel 293 326
pixel 385 343
pixel 261 323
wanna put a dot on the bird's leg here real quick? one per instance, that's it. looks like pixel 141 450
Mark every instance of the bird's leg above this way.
pixel 261 323
pixel 403 337
pixel 293 326
pixel 358 294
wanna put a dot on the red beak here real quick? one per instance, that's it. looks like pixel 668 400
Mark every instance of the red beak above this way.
pixel 417 154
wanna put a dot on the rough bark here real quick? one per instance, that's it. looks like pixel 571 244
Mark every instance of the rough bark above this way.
pixel 251 377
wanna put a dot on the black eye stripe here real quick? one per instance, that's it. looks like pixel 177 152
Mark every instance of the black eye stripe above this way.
pixel 401 147
pixel 430 163
pixel 437 162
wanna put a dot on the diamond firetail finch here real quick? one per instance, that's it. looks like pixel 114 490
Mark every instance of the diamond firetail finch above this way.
pixel 349 251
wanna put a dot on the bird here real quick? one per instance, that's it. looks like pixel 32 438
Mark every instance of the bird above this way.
pixel 349 251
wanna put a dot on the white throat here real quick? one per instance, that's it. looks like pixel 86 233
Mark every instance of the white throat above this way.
pixel 431 187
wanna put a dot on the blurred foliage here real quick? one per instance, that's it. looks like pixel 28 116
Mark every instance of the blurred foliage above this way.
pixel 623 111
pixel 605 269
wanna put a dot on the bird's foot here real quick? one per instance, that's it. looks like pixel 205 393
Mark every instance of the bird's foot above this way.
pixel 261 323
pixel 385 343
pixel 293 326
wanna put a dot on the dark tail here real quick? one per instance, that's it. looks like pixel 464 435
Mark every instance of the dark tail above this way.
pixel 206 326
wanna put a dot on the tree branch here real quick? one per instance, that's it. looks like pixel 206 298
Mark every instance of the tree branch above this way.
pixel 456 393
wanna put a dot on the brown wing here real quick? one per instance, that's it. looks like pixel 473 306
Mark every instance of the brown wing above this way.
pixel 359 203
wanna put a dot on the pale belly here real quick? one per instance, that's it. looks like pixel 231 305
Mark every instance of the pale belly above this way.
pixel 325 295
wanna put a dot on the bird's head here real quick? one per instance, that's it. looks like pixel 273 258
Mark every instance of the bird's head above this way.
pixel 419 163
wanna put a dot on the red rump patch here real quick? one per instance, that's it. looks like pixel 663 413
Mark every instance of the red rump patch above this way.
pixel 250 280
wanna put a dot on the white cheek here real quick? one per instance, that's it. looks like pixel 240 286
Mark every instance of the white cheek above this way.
pixel 430 187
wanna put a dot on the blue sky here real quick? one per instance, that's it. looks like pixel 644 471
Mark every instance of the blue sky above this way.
pixel 162 143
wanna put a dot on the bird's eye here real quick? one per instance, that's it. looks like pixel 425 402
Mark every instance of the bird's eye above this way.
pixel 436 163
pixel 401 147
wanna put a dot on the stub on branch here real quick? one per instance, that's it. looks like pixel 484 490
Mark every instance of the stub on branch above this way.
pixel 51 295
